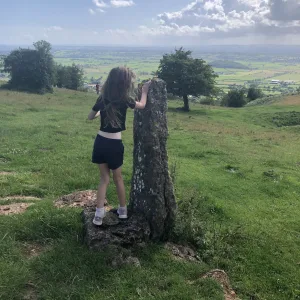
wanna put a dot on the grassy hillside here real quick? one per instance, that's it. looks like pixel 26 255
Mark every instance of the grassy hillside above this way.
pixel 237 184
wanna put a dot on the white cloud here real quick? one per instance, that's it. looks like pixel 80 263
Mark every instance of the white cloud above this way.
pixel 223 18
pixel 100 10
pixel 50 30
pixel 121 3
pixel 91 11
pixel 54 28
pixel 95 32
pixel 100 4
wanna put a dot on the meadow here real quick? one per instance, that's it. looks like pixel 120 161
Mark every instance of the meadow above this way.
pixel 236 176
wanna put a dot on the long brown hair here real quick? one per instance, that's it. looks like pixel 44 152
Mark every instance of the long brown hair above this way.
pixel 117 90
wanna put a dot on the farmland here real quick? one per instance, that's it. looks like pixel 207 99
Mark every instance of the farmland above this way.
pixel 259 69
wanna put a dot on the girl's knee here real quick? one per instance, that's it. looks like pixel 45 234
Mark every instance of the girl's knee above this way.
pixel 104 180
pixel 118 178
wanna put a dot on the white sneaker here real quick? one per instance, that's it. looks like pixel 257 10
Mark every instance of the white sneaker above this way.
pixel 122 212
pixel 98 220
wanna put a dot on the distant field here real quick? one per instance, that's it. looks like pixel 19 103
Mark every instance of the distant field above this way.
pixel 144 63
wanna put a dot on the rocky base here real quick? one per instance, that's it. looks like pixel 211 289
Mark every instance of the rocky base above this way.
pixel 114 232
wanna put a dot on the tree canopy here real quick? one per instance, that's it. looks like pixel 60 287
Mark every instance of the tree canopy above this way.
pixel 34 70
pixel 254 92
pixel 186 75
pixel 69 77
pixel 235 98
pixel 31 69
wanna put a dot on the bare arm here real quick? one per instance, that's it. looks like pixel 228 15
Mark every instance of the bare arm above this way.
pixel 93 115
pixel 143 101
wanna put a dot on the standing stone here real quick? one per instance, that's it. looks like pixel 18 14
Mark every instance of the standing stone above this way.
pixel 152 192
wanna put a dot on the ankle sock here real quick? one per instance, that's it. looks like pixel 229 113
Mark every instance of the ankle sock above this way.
pixel 100 212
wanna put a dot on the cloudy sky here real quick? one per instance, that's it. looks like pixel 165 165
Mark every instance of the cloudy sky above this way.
pixel 150 22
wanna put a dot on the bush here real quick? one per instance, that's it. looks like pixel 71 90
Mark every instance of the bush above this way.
pixel 69 77
pixel 234 98
pixel 254 93
pixel 208 101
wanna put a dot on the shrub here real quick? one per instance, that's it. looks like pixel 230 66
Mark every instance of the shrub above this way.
pixel 234 98
pixel 254 93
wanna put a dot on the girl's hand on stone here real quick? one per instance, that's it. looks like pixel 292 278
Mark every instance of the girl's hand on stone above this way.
pixel 146 86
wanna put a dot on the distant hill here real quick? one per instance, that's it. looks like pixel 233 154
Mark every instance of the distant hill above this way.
pixel 227 64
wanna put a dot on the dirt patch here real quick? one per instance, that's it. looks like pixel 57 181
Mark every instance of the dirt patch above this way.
pixel 27 198
pixel 222 278
pixel 4 173
pixel 33 250
pixel 15 208
pixel 79 199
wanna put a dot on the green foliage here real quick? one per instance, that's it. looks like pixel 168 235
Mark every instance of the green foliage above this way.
pixel 235 98
pixel 69 77
pixel 298 90
pixel 291 118
pixel 1 61
pixel 31 69
pixel 254 92
pixel 265 100
pixel 186 76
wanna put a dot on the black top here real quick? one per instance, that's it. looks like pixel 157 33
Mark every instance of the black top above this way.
pixel 121 114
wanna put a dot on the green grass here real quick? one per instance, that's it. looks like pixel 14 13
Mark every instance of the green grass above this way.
pixel 237 184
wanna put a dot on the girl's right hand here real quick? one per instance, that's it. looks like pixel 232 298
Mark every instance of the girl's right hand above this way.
pixel 146 86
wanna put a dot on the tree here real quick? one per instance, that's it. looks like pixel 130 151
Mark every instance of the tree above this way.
pixel 254 92
pixel 298 90
pixel 76 77
pixel 31 69
pixel 1 61
pixel 69 77
pixel 235 98
pixel 186 76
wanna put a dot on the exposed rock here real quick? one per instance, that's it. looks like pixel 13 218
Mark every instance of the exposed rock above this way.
pixel 152 192
pixel 182 252
pixel 123 233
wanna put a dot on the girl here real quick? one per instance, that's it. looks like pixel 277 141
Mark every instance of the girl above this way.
pixel 108 151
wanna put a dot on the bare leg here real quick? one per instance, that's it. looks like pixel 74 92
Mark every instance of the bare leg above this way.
pixel 104 181
pixel 118 180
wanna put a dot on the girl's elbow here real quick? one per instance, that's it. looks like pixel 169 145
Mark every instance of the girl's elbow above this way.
pixel 140 106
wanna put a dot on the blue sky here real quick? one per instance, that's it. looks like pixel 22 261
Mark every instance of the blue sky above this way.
pixel 152 22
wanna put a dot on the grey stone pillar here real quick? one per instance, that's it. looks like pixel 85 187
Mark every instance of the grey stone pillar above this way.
pixel 152 192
